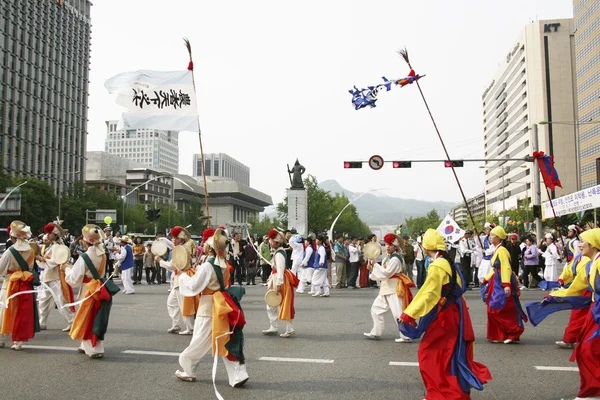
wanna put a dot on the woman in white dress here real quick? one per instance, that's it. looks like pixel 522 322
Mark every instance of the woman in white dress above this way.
pixel 551 259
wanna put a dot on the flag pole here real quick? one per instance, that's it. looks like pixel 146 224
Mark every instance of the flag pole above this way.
pixel 188 46
pixel 404 54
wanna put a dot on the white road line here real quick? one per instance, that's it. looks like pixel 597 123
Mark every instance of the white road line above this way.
pixel 27 346
pixel 302 360
pixel 404 364
pixel 545 368
pixel 151 353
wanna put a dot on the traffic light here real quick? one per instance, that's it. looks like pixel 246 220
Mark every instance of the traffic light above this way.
pixel 455 164
pixel 157 214
pixel 537 211
pixel 150 215
pixel 401 164
pixel 352 164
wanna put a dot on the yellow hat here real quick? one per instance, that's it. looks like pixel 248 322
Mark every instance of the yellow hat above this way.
pixel 433 240
pixel 499 231
pixel 592 236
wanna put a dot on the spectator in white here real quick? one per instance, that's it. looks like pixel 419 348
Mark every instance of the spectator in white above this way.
pixel 550 259
pixel 354 251
pixel 466 247
pixel 419 261
pixel 307 266
pixel 297 253
pixel 320 283
pixel 125 259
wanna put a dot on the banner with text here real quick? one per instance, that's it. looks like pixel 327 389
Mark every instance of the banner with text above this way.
pixel 582 200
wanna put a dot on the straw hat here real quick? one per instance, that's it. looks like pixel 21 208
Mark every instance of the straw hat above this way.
pixel 218 242
pixel 126 239
pixel 20 230
pixel 181 233
pixel 392 240
pixel 55 228
pixel 93 234
pixel 276 235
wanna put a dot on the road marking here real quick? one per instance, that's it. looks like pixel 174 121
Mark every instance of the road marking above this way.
pixel 302 360
pixel 151 353
pixel 404 364
pixel 27 346
pixel 544 368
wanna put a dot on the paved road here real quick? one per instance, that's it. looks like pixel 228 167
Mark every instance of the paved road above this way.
pixel 328 330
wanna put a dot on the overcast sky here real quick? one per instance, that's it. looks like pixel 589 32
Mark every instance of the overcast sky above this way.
pixel 273 80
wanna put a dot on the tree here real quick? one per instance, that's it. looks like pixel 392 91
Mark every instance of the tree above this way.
pixel 262 227
pixel 349 222
pixel 421 224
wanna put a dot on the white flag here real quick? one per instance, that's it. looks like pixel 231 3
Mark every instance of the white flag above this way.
pixel 450 230
pixel 156 99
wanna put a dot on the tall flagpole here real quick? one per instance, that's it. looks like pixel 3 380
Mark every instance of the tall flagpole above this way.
pixel 191 68
pixel 404 54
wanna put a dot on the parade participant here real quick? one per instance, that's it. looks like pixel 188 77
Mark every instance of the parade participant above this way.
pixel 18 315
pixel 487 252
pixel 505 315
pixel 575 267
pixel 466 250
pixel 319 281
pixel 307 266
pixel 91 320
pixel 551 261
pixel 284 282
pixel 446 350
pixel 297 253
pixel 573 245
pixel 57 292
pixel 181 309
pixel 394 288
pixel 217 310
pixel 126 264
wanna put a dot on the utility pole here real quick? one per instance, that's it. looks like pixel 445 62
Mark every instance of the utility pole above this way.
pixel 537 198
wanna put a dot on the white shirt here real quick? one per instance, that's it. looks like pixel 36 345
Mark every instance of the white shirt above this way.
pixel 354 253
pixel 297 248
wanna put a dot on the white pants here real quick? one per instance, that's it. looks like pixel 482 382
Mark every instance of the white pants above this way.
pixel 381 305
pixel 550 273
pixel 175 309
pixel 320 281
pixel 174 302
pixel 295 265
pixel 273 313
pixel 54 296
pixel 307 274
pixel 189 359
pixel 86 345
pixel 126 279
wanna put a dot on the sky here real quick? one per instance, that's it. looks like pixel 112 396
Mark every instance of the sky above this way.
pixel 273 76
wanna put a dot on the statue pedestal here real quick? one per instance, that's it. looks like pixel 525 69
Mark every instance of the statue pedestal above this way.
pixel 298 210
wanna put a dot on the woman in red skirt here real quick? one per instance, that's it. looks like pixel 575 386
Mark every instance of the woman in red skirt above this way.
pixel 446 350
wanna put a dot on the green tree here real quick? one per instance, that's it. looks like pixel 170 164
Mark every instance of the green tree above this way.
pixel 262 227
pixel 421 224
pixel 349 222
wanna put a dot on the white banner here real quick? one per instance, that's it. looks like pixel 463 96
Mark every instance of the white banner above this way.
pixel 156 99
pixel 582 200
pixel 450 230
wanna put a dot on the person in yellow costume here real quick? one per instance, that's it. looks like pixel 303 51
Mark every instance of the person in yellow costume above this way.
pixel 446 350
pixel 212 326
pixel 501 293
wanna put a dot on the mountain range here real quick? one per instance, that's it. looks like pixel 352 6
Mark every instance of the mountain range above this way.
pixel 386 210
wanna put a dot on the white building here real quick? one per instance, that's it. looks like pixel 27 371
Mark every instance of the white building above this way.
pixel 534 83
pixel 153 148
pixel 220 166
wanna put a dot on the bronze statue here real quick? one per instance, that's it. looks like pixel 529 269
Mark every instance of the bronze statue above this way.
pixel 296 179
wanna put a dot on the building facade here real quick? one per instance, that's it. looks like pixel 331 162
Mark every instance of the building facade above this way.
pixel 461 215
pixel 535 83
pixel 153 148
pixel 586 16
pixel 44 79
pixel 220 166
